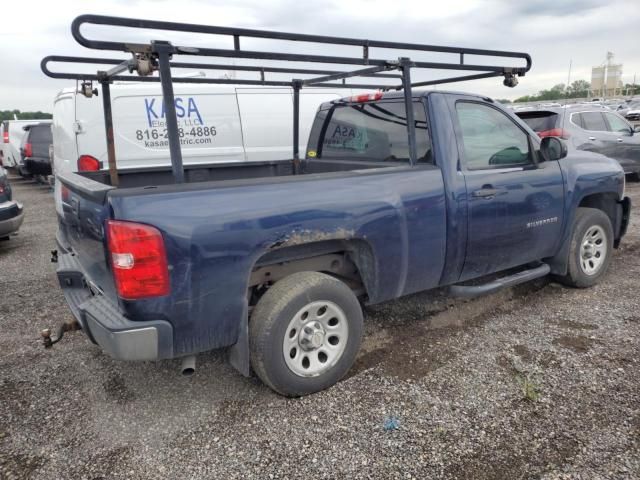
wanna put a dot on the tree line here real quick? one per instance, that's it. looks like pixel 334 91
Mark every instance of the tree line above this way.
pixel 13 114
pixel 577 89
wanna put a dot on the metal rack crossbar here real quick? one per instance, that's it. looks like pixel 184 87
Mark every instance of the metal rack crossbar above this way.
pixel 157 55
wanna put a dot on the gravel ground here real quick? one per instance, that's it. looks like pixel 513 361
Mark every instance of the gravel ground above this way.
pixel 539 381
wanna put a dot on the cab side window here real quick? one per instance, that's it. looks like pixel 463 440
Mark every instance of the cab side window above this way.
pixel 490 138
pixel 593 121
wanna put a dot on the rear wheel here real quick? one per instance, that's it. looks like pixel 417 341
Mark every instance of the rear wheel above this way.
pixel 305 333
pixel 591 248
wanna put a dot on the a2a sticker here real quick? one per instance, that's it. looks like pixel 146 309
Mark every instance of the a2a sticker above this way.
pixel 311 153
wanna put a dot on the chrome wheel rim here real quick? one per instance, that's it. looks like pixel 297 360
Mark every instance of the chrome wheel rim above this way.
pixel 593 250
pixel 315 339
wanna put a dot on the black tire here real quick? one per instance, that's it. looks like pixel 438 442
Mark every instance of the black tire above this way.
pixel 586 219
pixel 270 321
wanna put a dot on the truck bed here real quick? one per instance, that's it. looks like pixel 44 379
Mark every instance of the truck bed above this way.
pixel 218 172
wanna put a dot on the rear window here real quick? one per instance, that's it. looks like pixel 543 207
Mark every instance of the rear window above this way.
pixel 369 132
pixel 40 134
pixel 540 121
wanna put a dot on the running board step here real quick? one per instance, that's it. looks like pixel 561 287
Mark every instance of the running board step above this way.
pixel 471 291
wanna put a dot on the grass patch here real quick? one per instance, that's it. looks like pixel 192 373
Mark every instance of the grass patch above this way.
pixel 530 389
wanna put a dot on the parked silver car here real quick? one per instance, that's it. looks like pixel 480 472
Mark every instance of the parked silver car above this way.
pixel 590 128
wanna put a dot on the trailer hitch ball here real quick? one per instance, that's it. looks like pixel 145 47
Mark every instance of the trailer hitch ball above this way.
pixel 48 342
pixel 46 338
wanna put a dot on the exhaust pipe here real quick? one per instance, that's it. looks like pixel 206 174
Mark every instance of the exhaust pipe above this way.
pixel 188 366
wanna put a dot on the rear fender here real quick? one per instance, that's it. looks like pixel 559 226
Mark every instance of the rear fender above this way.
pixel 351 260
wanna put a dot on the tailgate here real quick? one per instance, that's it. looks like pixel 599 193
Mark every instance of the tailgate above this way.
pixel 82 209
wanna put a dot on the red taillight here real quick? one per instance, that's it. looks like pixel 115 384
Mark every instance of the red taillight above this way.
pixel 555 132
pixel 138 260
pixel 366 97
pixel 87 163
pixel 28 150
pixel 5 136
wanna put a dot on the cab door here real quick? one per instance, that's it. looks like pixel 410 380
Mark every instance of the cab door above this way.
pixel 597 137
pixel 514 202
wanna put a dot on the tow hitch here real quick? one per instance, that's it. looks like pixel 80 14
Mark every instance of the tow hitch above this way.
pixel 69 326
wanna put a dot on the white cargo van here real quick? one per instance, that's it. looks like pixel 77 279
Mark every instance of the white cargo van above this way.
pixel 12 134
pixel 217 123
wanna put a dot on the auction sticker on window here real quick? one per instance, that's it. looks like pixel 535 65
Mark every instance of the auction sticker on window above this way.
pixel 348 137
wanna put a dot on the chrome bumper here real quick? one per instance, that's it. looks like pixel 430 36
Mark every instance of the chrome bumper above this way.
pixel 101 320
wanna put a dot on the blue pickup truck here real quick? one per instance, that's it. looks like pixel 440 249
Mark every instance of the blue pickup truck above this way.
pixel 399 190
pixel 280 263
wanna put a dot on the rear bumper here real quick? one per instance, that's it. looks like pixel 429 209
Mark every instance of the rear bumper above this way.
pixel 11 217
pixel 120 337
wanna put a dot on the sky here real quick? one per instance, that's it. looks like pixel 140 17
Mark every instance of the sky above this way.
pixel 553 32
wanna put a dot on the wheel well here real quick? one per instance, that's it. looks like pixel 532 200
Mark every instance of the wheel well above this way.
pixel 350 261
pixel 602 201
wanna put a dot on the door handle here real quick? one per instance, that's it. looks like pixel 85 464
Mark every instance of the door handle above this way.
pixel 620 140
pixel 592 138
pixel 485 192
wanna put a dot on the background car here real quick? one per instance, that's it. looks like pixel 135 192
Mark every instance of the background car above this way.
pixel 12 134
pixel 627 105
pixel 11 214
pixel 237 129
pixel 589 128
pixel 34 150
pixel 631 111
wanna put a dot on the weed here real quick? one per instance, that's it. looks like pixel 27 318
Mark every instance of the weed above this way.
pixel 530 390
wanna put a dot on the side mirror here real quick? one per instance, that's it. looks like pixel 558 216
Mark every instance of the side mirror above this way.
pixel 552 148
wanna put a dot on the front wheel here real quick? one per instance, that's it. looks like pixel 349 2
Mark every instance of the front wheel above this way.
pixel 305 333
pixel 591 248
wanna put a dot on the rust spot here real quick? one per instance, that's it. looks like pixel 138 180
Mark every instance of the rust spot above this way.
pixel 301 237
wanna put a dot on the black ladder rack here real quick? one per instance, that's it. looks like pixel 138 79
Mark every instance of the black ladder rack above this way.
pixel 147 58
